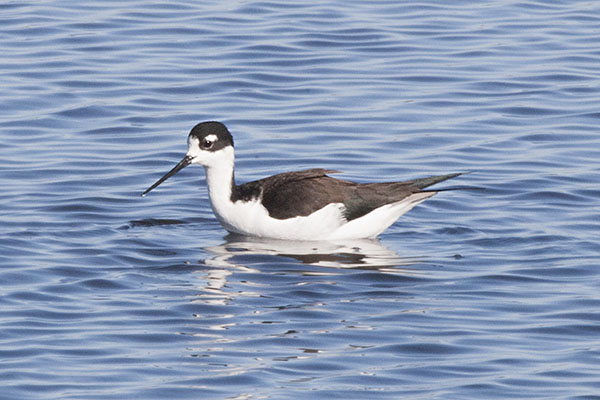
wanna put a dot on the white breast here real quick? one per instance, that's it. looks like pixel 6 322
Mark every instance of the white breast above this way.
pixel 252 219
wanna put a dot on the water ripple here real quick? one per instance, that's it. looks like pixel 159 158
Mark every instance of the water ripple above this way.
pixel 485 291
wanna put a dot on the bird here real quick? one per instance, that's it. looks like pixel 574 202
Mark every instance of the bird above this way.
pixel 301 205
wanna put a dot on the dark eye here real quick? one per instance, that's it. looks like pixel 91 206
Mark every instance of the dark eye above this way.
pixel 206 143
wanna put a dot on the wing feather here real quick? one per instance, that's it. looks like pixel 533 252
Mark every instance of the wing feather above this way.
pixel 301 193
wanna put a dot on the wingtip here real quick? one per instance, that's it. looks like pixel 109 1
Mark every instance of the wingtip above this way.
pixel 432 180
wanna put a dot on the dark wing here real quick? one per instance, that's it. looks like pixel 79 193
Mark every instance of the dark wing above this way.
pixel 364 198
pixel 298 193
pixel 432 180
pixel 301 193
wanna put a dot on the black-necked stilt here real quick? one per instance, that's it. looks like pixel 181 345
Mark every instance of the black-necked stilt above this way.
pixel 300 205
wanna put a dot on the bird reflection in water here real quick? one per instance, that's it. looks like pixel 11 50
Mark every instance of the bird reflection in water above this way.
pixel 250 255
pixel 367 254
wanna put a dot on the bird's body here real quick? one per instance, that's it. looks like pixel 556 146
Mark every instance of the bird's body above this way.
pixel 300 205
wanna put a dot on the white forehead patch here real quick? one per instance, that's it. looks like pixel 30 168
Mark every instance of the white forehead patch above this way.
pixel 192 141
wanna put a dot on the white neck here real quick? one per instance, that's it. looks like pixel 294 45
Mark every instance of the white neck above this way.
pixel 219 178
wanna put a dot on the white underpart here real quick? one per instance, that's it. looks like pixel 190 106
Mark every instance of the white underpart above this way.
pixel 251 218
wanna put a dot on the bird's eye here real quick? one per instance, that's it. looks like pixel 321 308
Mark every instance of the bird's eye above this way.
pixel 206 143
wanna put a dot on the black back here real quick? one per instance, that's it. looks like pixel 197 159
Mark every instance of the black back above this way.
pixel 301 193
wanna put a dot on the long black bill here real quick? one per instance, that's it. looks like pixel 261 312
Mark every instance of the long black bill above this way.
pixel 187 160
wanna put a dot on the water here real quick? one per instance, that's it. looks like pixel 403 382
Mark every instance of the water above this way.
pixel 486 292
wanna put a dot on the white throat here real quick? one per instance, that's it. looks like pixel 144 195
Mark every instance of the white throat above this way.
pixel 219 168
pixel 219 180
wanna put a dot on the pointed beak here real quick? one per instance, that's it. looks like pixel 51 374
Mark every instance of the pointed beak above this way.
pixel 187 160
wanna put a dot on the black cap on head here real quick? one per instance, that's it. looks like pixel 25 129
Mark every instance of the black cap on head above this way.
pixel 212 130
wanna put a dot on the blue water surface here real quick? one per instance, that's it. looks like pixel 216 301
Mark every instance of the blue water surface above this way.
pixel 490 291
